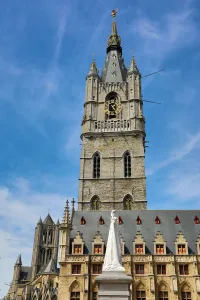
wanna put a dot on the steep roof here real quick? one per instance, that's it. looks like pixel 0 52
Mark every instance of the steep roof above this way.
pixel 48 220
pixel 148 228
pixel 19 260
pixel 50 268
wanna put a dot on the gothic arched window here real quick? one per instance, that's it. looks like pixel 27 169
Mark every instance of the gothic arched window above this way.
pixel 49 253
pixel 44 236
pixel 185 292
pixel 50 236
pixel 127 202
pixel 140 292
pixel 163 292
pixel 127 164
pixel 96 165
pixel 95 203
pixel 43 256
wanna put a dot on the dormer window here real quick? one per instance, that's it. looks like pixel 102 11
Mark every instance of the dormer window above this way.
pixel 160 249
pixel 177 221
pixel 98 249
pixel 138 221
pixel 114 74
pixel 196 220
pixel 120 221
pixel 181 249
pixel 83 222
pixel 157 220
pixel 101 221
pixel 139 248
pixel 78 249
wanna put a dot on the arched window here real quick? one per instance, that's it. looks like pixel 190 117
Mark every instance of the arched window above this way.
pixel 75 291
pixel 127 165
pixel 50 236
pixel 96 165
pixel 44 236
pixel 127 202
pixel 112 105
pixel 185 292
pixel 49 253
pixel 43 256
pixel 95 203
pixel 163 292
pixel 140 292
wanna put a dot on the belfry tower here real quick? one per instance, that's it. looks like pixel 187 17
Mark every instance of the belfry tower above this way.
pixel 112 172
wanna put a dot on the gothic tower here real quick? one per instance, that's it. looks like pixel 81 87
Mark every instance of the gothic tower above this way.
pixel 45 246
pixel 112 172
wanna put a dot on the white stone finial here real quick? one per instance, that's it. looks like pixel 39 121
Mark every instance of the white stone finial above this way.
pixel 113 256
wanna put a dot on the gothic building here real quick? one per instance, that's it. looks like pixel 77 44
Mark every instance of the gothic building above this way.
pixel 161 249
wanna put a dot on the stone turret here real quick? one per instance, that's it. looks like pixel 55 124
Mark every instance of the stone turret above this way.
pixel 65 229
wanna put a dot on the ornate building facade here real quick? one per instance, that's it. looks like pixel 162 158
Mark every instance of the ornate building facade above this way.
pixel 161 249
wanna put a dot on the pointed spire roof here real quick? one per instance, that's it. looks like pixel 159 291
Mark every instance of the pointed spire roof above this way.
pixel 93 69
pixel 133 67
pixel 39 221
pixel 114 40
pixel 66 215
pixel 48 220
pixel 19 260
pixel 58 222
pixel 114 68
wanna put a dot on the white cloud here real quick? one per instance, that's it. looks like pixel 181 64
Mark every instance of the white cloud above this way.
pixel 172 31
pixel 20 208
pixel 193 142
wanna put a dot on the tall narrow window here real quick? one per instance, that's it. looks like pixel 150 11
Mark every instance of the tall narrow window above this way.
pixel 163 292
pixel 140 292
pixel 127 202
pixel 96 165
pixel 127 165
pixel 185 293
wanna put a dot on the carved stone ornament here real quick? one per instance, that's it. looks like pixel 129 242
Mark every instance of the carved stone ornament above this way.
pixel 142 258
pixel 163 259
pixel 185 258
pixel 76 258
pixel 98 258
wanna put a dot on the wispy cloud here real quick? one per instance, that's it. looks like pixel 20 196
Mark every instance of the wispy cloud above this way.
pixel 178 153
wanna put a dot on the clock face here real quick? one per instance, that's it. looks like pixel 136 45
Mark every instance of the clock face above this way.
pixel 112 107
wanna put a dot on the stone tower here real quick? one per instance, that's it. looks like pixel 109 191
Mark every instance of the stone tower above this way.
pixel 45 246
pixel 112 172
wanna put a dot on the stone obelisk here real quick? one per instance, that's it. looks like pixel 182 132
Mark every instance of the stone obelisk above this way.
pixel 113 283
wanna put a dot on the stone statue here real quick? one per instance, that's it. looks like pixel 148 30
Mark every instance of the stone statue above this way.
pixel 113 256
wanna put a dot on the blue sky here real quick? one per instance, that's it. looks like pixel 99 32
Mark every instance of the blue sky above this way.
pixel 45 52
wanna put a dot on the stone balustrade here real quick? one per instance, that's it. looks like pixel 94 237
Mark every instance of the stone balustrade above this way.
pixel 111 125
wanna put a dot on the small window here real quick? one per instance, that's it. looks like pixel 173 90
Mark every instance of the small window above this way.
pixel 138 221
pixel 98 249
pixel 76 269
pixel 177 221
pixel 160 249
pixel 157 220
pixel 94 80
pixel 101 221
pixel 161 269
pixel 93 97
pixel 75 296
pixel 97 269
pixel 181 249
pixel 183 270
pixel 120 221
pixel 83 222
pixel 139 268
pixel 77 249
pixel 139 248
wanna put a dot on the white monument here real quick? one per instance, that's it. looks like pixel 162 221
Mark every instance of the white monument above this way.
pixel 113 282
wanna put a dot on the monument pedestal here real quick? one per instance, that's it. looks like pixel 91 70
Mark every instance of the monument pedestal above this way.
pixel 114 285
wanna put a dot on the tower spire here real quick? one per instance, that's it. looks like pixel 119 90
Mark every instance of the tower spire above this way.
pixel 114 40
pixel 66 215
